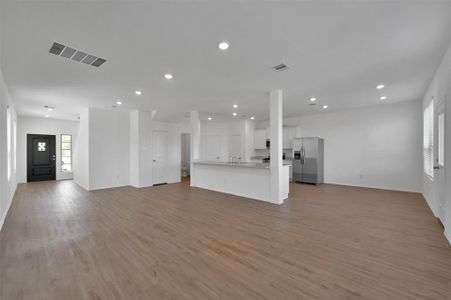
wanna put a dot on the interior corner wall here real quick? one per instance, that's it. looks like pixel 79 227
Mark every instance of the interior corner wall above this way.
pixel 134 148
pixel 81 152
pixel 109 148
pixel 7 186
pixel 36 125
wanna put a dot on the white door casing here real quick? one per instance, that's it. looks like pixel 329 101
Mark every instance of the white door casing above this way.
pixel 439 150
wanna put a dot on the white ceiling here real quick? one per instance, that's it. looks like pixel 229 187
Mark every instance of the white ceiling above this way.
pixel 337 51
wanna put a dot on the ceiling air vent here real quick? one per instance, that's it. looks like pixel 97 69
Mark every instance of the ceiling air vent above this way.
pixel 76 55
pixel 56 49
pixel 280 67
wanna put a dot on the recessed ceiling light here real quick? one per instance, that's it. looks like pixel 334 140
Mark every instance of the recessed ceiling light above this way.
pixel 47 116
pixel 139 93
pixel 325 106
pixel 223 45
pixel 235 106
pixel 313 99
pixel 234 114
pixel 118 102
pixel 383 97
pixel 252 118
pixel 210 118
pixel 168 76
pixel 49 108
pixel 380 86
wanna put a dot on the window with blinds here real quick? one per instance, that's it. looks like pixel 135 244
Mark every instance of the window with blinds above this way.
pixel 8 141
pixel 428 139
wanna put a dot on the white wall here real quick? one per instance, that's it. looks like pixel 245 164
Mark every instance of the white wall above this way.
pixel 109 146
pixel 7 187
pixel 81 151
pixel 117 149
pixel 440 90
pixel 34 125
pixel 378 146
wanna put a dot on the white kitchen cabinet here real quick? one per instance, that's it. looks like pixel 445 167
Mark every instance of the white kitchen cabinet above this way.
pixel 260 139
pixel 288 134
pixel 211 147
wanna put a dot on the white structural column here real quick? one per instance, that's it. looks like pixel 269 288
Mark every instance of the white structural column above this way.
pixel 194 142
pixel 140 146
pixel 275 133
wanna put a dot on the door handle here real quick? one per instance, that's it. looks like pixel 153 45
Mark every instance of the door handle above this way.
pixel 302 155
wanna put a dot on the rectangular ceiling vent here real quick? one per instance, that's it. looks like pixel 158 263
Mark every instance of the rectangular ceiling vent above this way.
pixel 280 67
pixel 76 55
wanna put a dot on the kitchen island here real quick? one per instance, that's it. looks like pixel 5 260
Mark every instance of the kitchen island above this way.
pixel 245 179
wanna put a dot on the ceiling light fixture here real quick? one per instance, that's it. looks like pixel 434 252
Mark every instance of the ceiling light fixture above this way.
pixel 234 114
pixel 223 45
pixel 383 97
pixel 325 106
pixel 118 102
pixel 168 76
pixel 235 106
pixel 47 116
pixel 139 93
pixel 252 118
pixel 49 108
pixel 210 118
pixel 313 99
pixel 380 86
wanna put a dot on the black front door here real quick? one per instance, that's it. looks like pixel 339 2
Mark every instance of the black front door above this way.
pixel 40 157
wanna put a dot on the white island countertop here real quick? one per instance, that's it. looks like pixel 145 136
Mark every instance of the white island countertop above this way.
pixel 258 165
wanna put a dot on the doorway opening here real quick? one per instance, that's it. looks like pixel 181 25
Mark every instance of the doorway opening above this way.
pixel 41 157
pixel 185 162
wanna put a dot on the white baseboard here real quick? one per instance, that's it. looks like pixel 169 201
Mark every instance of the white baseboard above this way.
pixel 374 187
pixel 431 205
pixel 81 185
pixel 2 219
pixel 11 196
pixel 448 236
pixel 107 187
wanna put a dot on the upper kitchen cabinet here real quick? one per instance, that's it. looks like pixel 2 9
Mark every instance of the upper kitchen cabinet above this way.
pixel 288 134
pixel 260 139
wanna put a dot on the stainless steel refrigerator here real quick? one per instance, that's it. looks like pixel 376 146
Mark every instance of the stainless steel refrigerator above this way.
pixel 308 160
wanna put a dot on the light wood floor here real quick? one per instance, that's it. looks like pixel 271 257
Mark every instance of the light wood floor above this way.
pixel 176 242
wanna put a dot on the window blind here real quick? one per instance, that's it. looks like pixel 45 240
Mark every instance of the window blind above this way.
pixel 8 141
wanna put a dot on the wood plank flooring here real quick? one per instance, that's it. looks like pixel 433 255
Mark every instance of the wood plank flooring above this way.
pixel 177 242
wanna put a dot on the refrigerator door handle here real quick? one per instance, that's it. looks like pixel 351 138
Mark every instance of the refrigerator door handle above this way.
pixel 302 155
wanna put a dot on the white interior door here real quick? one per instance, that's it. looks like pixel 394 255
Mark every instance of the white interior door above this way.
pixel 159 156
pixel 439 157
pixel 235 147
